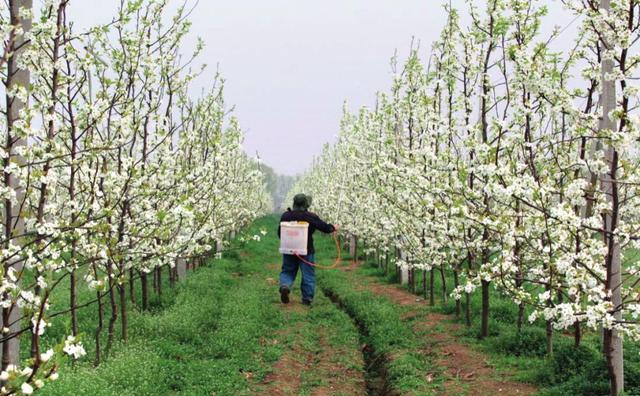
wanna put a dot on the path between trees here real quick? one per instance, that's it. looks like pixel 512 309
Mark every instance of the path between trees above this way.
pixel 462 370
pixel 323 357
pixel 466 371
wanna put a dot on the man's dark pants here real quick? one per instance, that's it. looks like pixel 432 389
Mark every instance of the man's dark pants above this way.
pixel 290 265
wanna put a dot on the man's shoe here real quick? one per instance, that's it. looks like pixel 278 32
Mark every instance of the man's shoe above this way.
pixel 306 302
pixel 284 295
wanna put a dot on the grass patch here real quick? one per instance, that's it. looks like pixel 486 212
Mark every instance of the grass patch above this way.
pixel 202 337
pixel 394 345
pixel 569 371
pixel 221 331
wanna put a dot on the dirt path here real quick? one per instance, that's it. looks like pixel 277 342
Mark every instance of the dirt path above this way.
pixel 465 371
pixel 314 366
pixel 314 363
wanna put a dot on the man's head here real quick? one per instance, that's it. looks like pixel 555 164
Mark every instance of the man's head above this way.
pixel 301 202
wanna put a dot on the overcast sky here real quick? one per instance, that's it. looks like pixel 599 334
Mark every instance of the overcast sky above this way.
pixel 290 64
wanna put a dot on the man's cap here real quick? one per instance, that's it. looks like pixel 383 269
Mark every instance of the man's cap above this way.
pixel 301 202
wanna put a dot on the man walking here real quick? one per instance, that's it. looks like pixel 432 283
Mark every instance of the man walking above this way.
pixel 291 263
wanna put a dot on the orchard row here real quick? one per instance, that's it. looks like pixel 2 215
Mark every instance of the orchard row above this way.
pixel 112 173
pixel 509 165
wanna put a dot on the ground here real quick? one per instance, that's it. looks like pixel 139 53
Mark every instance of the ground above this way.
pixel 225 332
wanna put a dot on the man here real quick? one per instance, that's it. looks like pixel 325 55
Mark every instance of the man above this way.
pixel 291 263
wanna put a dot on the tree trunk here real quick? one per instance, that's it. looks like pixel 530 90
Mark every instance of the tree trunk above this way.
pixel 444 285
pixel 456 283
pixel 432 296
pixel 519 272
pixel 412 279
pixel 155 280
pixel 386 263
pixel 132 294
pixel 181 268
pixel 99 328
pixel 612 341
pixel 424 284
pixel 14 225
pixel 72 303
pixel 467 303
pixel 159 284
pixel 124 320
pixel 144 285
pixel 484 330
pixel 549 338
pixel 365 255
pixel 114 312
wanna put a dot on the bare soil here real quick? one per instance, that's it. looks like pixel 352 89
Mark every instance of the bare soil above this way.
pixel 297 362
pixel 274 266
pixel 285 378
pixel 320 367
pixel 466 371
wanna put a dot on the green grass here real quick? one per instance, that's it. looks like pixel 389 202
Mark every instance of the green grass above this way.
pixel 384 331
pixel 394 344
pixel 324 334
pixel 221 330
pixel 201 337
pixel 204 342
pixel 584 369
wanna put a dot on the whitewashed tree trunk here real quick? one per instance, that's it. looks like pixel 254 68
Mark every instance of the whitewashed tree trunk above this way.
pixel 612 340
pixel 404 276
pixel 181 268
pixel 353 246
pixel 14 225
pixel 219 246
pixel 404 272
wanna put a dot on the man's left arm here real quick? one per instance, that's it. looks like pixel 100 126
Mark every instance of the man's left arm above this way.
pixel 321 225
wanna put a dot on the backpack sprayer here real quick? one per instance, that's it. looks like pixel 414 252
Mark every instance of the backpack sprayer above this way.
pixel 293 240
